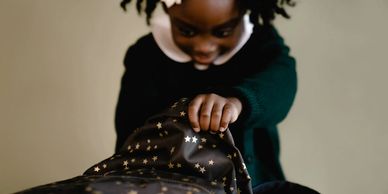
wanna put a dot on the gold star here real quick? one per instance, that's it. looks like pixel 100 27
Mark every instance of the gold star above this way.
pixel 170 165
pixel 154 158
pixel 229 156
pixel 133 160
pixel 203 140
pixel 182 113
pixel 129 147
pixel 96 169
pixel 137 146
pixel 221 135
pixel 202 169
pixel 178 165
pixel 213 183
pixel 132 192
pixel 159 125
pixel 148 148
pixel 125 163
pixel 224 178
pixel 211 162
pixel 214 145
pixel 235 154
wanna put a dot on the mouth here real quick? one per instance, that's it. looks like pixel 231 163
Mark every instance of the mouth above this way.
pixel 204 59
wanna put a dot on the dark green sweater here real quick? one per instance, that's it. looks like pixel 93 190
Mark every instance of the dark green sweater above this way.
pixel 262 75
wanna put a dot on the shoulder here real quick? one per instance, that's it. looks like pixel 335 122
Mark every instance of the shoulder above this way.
pixel 140 51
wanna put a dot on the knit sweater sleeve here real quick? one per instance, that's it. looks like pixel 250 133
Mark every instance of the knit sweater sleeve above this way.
pixel 267 95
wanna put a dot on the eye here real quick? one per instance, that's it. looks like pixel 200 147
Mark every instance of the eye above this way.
pixel 187 32
pixel 222 33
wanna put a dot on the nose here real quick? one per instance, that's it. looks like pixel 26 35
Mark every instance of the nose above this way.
pixel 205 46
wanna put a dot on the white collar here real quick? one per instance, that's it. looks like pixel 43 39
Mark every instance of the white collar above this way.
pixel 161 31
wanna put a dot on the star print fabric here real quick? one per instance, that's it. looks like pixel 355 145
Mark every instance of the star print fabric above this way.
pixel 166 142
pixel 164 156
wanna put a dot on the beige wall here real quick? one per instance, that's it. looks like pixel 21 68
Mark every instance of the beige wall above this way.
pixel 60 69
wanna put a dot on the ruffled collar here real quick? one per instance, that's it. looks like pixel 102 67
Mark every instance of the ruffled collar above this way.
pixel 161 31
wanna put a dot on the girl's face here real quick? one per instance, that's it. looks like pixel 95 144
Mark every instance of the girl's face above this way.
pixel 205 29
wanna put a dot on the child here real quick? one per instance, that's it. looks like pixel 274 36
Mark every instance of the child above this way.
pixel 228 58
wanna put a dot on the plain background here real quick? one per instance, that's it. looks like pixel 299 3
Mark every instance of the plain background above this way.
pixel 61 65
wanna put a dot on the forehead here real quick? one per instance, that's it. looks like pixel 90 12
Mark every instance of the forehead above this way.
pixel 205 13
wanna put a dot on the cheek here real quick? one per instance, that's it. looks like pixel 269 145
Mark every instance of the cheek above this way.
pixel 228 44
pixel 182 42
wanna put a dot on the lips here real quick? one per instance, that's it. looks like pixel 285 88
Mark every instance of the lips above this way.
pixel 204 59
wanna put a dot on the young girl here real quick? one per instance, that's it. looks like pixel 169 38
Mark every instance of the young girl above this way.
pixel 228 58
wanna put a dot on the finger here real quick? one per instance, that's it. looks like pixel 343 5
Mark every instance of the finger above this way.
pixel 215 118
pixel 204 115
pixel 226 118
pixel 193 113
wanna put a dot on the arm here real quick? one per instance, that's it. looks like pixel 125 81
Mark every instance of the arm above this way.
pixel 136 100
pixel 268 95
pixel 268 89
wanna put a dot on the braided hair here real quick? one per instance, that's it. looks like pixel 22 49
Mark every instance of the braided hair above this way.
pixel 262 12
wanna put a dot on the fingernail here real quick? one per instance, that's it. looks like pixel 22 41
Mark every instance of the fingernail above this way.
pixel 196 129
pixel 222 129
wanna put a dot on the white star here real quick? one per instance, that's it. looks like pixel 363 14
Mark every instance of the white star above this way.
pixel 133 160
pixel 178 165
pixel 129 147
pixel 104 165
pixel 197 165
pixel 148 141
pixel 159 125
pixel 96 169
pixel 154 158
pixel 125 163
pixel 137 146
pixel 172 150
pixel 200 146
pixel 148 148
pixel 221 135
pixel 194 139
pixel 203 140
pixel 145 161
pixel 211 162
pixel 187 139
pixel 182 113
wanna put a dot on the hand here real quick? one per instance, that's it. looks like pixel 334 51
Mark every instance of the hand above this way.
pixel 214 112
